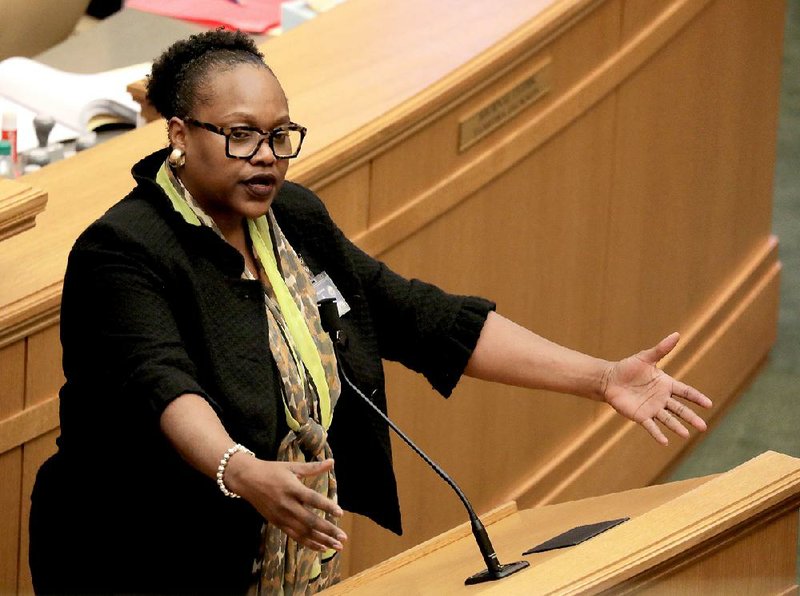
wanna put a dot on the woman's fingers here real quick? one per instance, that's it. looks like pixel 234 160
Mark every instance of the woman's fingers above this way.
pixel 672 416
pixel 655 431
pixel 306 526
pixel 312 538
pixel 311 498
pixel 314 500
pixel 673 423
pixel 309 524
pixel 685 413
pixel 667 420
pixel 299 511
pixel 691 394
pixel 304 540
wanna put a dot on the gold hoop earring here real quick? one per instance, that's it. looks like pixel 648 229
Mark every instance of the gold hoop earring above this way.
pixel 177 158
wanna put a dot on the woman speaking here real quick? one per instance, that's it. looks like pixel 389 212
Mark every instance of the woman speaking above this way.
pixel 202 409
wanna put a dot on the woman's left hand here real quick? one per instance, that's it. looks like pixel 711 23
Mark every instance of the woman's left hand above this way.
pixel 636 388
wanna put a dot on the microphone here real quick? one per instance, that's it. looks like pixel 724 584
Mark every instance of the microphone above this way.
pixel 331 324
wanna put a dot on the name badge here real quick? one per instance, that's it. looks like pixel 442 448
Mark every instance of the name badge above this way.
pixel 325 288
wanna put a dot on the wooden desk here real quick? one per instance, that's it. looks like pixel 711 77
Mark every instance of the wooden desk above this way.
pixel 628 199
pixel 735 533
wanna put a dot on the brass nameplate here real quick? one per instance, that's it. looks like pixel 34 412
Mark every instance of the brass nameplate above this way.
pixel 504 107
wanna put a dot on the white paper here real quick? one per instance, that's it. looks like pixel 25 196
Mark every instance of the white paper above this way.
pixel 26 133
pixel 29 88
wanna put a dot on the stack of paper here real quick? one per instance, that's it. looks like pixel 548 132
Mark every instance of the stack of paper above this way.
pixel 78 102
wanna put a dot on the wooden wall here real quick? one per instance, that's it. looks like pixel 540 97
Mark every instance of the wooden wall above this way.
pixel 632 199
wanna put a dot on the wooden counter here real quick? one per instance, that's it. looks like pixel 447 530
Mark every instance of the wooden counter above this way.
pixel 735 533
pixel 600 168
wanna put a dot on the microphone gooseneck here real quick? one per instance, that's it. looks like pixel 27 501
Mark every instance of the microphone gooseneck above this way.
pixel 331 324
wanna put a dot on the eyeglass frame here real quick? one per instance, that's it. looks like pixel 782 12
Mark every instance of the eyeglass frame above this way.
pixel 227 131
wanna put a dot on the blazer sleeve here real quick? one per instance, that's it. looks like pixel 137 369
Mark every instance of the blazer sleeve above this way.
pixel 420 325
pixel 118 330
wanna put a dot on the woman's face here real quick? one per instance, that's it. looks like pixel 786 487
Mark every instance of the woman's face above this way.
pixel 231 189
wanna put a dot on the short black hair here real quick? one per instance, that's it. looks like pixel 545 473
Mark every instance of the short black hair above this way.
pixel 174 86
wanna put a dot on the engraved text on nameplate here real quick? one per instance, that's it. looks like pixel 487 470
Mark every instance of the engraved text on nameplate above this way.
pixel 501 109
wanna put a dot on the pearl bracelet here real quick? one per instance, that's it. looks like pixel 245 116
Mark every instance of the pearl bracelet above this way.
pixel 223 463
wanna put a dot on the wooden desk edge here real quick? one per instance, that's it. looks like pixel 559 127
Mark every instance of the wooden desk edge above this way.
pixel 421 550
pixel 19 206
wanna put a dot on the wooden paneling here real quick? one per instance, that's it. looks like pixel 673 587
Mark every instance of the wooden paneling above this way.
pixel 12 399
pixel 10 518
pixel 31 375
pixel 409 169
pixel 347 200
pixel 759 561
pixel 45 376
pixel 35 453
pixel 42 383
pixel 684 219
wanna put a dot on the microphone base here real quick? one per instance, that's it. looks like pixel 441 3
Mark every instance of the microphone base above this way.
pixel 488 576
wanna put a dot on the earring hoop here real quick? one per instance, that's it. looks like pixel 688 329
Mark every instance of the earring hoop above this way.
pixel 177 158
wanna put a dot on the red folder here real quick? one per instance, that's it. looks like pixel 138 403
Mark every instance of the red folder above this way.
pixel 253 16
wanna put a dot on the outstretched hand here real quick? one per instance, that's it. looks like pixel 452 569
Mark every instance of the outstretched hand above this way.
pixel 636 388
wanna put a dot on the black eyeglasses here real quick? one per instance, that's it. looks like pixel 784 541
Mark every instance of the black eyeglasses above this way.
pixel 243 142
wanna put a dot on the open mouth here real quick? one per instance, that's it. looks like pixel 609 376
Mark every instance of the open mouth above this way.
pixel 260 184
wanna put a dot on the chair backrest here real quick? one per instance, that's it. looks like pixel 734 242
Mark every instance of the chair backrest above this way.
pixel 28 27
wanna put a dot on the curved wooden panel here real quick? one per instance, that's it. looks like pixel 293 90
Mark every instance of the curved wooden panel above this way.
pixel 621 191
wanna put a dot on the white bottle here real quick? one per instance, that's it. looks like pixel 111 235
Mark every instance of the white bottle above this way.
pixel 6 165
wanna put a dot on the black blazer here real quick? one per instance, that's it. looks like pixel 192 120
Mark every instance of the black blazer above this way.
pixel 154 307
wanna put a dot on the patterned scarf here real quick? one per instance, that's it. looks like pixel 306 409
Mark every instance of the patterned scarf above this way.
pixel 310 387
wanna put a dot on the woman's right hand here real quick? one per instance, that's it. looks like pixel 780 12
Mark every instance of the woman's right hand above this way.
pixel 275 490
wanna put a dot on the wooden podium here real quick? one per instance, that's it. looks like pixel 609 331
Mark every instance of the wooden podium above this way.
pixel 735 533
